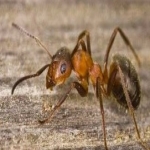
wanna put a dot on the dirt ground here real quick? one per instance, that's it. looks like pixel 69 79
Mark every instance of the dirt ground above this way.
pixel 78 123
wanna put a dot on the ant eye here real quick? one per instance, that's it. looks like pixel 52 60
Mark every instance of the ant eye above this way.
pixel 63 68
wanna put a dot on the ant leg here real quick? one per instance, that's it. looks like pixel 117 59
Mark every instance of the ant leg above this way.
pixel 99 97
pixel 130 107
pixel 87 34
pixel 81 91
pixel 29 76
pixel 111 41
pixel 81 41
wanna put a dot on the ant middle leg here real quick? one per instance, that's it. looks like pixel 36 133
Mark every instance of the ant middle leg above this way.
pixel 87 35
pixel 85 46
pixel 99 97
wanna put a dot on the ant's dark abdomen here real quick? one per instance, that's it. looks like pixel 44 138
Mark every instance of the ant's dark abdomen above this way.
pixel 131 82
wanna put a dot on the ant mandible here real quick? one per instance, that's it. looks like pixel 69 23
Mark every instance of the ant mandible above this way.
pixel 119 80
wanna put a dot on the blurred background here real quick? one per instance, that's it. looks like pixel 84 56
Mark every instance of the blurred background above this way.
pixel 58 23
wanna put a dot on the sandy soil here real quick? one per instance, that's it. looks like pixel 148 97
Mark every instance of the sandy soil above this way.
pixel 78 123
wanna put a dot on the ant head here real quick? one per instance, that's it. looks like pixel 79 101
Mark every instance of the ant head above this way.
pixel 59 69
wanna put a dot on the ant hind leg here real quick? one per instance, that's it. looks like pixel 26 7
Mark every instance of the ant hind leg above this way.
pixel 131 109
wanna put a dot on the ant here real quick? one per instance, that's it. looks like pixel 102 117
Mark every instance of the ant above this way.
pixel 119 80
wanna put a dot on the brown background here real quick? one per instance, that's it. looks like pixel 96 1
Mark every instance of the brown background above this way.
pixel 78 123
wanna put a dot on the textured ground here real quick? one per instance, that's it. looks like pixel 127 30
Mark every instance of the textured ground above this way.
pixel 78 123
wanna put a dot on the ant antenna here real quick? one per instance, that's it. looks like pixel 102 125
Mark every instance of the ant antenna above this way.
pixel 32 36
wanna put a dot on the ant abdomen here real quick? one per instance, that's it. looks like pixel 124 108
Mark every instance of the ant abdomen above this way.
pixel 131 81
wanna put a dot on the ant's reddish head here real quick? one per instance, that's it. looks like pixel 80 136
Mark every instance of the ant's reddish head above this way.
pixel 59 69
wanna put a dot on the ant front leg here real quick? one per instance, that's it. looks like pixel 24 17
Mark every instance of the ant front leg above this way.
pixel 81 90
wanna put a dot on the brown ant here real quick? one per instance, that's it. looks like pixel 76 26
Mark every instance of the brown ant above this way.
pixel 119 80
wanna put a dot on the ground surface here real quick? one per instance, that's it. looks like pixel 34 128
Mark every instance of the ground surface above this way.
pixel 78 123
